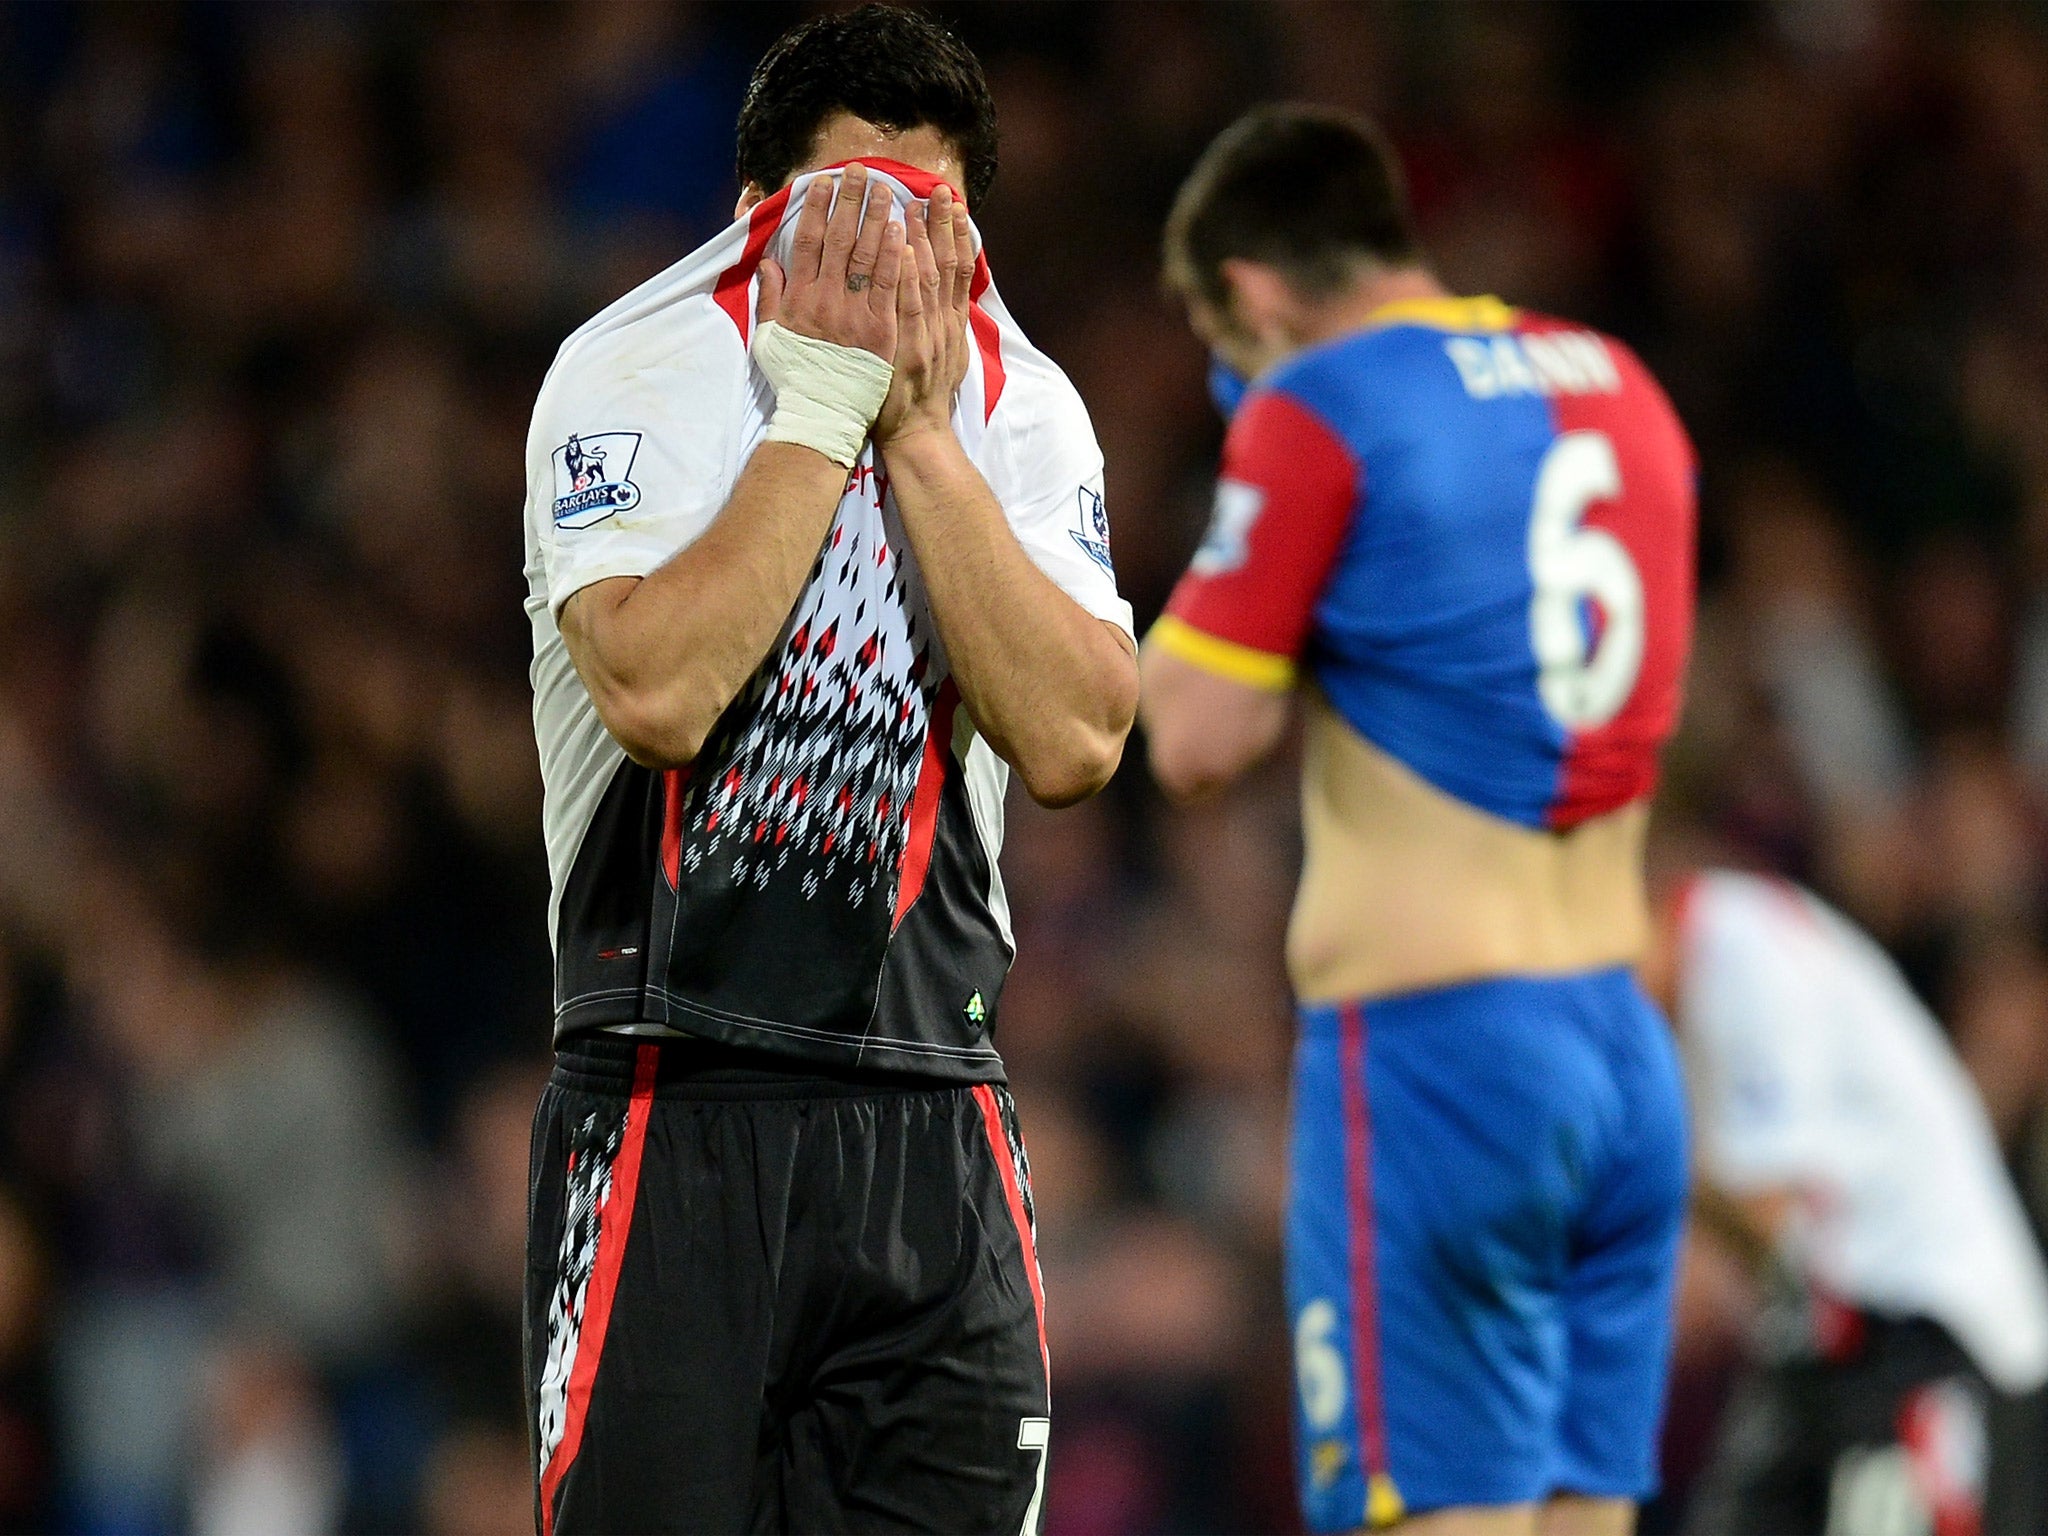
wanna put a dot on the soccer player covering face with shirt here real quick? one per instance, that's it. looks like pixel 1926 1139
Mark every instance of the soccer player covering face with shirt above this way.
pixel 816 556
pixel 1462 534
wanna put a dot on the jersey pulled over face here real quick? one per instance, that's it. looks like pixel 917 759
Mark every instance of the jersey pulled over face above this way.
pixel 822 880
pixel 1474 527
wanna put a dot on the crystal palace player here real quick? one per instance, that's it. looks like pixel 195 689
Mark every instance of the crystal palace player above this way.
pixel 815 549
pixel 1468 531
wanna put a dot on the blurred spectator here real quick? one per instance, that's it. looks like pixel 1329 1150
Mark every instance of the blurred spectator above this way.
pixel 478 1484
pixel 271 1461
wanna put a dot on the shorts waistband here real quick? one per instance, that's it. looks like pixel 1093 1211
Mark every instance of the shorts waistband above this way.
pixel 1477 989
pixel 696 1068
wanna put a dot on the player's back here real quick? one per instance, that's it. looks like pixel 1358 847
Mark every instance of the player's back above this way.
pixel 1496 513
pixel 1507 615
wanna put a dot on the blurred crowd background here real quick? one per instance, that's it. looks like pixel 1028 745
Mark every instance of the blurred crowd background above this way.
pixel 277 286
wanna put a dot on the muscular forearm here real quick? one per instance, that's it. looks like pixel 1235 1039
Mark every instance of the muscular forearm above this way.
pixel 1051 686
pixel 663 656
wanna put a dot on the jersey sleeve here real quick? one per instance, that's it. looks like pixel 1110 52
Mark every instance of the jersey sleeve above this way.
pixel 1284 502
pixel 1757 1028
pixel 1049 481
pixel 629 460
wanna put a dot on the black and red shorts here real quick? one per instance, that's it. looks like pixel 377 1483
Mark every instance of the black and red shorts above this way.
pixel 1882 1424
pixel 763 1302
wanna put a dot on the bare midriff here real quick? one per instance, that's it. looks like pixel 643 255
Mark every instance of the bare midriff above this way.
pixel 1404 887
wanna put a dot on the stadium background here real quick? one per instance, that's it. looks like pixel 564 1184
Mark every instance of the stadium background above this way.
pixel 277 284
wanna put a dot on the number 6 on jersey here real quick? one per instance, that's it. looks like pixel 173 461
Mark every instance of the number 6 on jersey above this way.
pixel 1586 663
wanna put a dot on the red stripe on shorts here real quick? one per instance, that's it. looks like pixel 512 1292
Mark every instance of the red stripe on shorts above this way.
pixel 614 1221
pixel 1365 1321
pixel 1013 1193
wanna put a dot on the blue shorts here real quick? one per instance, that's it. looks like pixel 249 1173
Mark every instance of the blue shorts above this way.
pixel 1488 1187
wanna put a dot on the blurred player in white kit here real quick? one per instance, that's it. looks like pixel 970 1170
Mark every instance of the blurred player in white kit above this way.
pixel 1840 1143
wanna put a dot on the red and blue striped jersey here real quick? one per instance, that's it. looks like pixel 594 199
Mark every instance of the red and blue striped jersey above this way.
pixel 1472 527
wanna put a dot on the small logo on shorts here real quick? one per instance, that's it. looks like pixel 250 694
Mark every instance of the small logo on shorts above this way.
pixel 976 1010
pixel 1326 1460
pixel 1320 1370
pixel 1384 1505
pixel 594 477
pixel 1093 534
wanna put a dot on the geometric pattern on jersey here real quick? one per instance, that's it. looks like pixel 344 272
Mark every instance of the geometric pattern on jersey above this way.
pixel 811 777
pixel 814 881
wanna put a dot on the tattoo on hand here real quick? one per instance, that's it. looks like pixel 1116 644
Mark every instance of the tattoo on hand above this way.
pixel 856 281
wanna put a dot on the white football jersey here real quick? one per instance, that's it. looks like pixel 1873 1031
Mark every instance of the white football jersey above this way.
pixel 1815 1068
pixel 822 880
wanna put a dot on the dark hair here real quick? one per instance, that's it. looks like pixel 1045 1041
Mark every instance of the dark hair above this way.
pixel 896 68
pixel 1308 190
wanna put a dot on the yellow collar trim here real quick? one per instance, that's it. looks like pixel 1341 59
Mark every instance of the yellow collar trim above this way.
pixel 1483 313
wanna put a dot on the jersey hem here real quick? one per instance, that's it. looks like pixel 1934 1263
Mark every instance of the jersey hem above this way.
pixel 1319 1014
pixel 1224 658
pixel 822 1049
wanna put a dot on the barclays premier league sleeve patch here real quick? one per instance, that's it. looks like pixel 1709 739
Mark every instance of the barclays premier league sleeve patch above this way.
pixel 594 478
pixel 1093 534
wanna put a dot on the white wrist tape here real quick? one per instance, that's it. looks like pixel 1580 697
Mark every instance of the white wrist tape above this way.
pixel 826 395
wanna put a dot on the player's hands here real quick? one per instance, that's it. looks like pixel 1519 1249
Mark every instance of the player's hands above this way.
pixel 931 320
pixel 842 278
